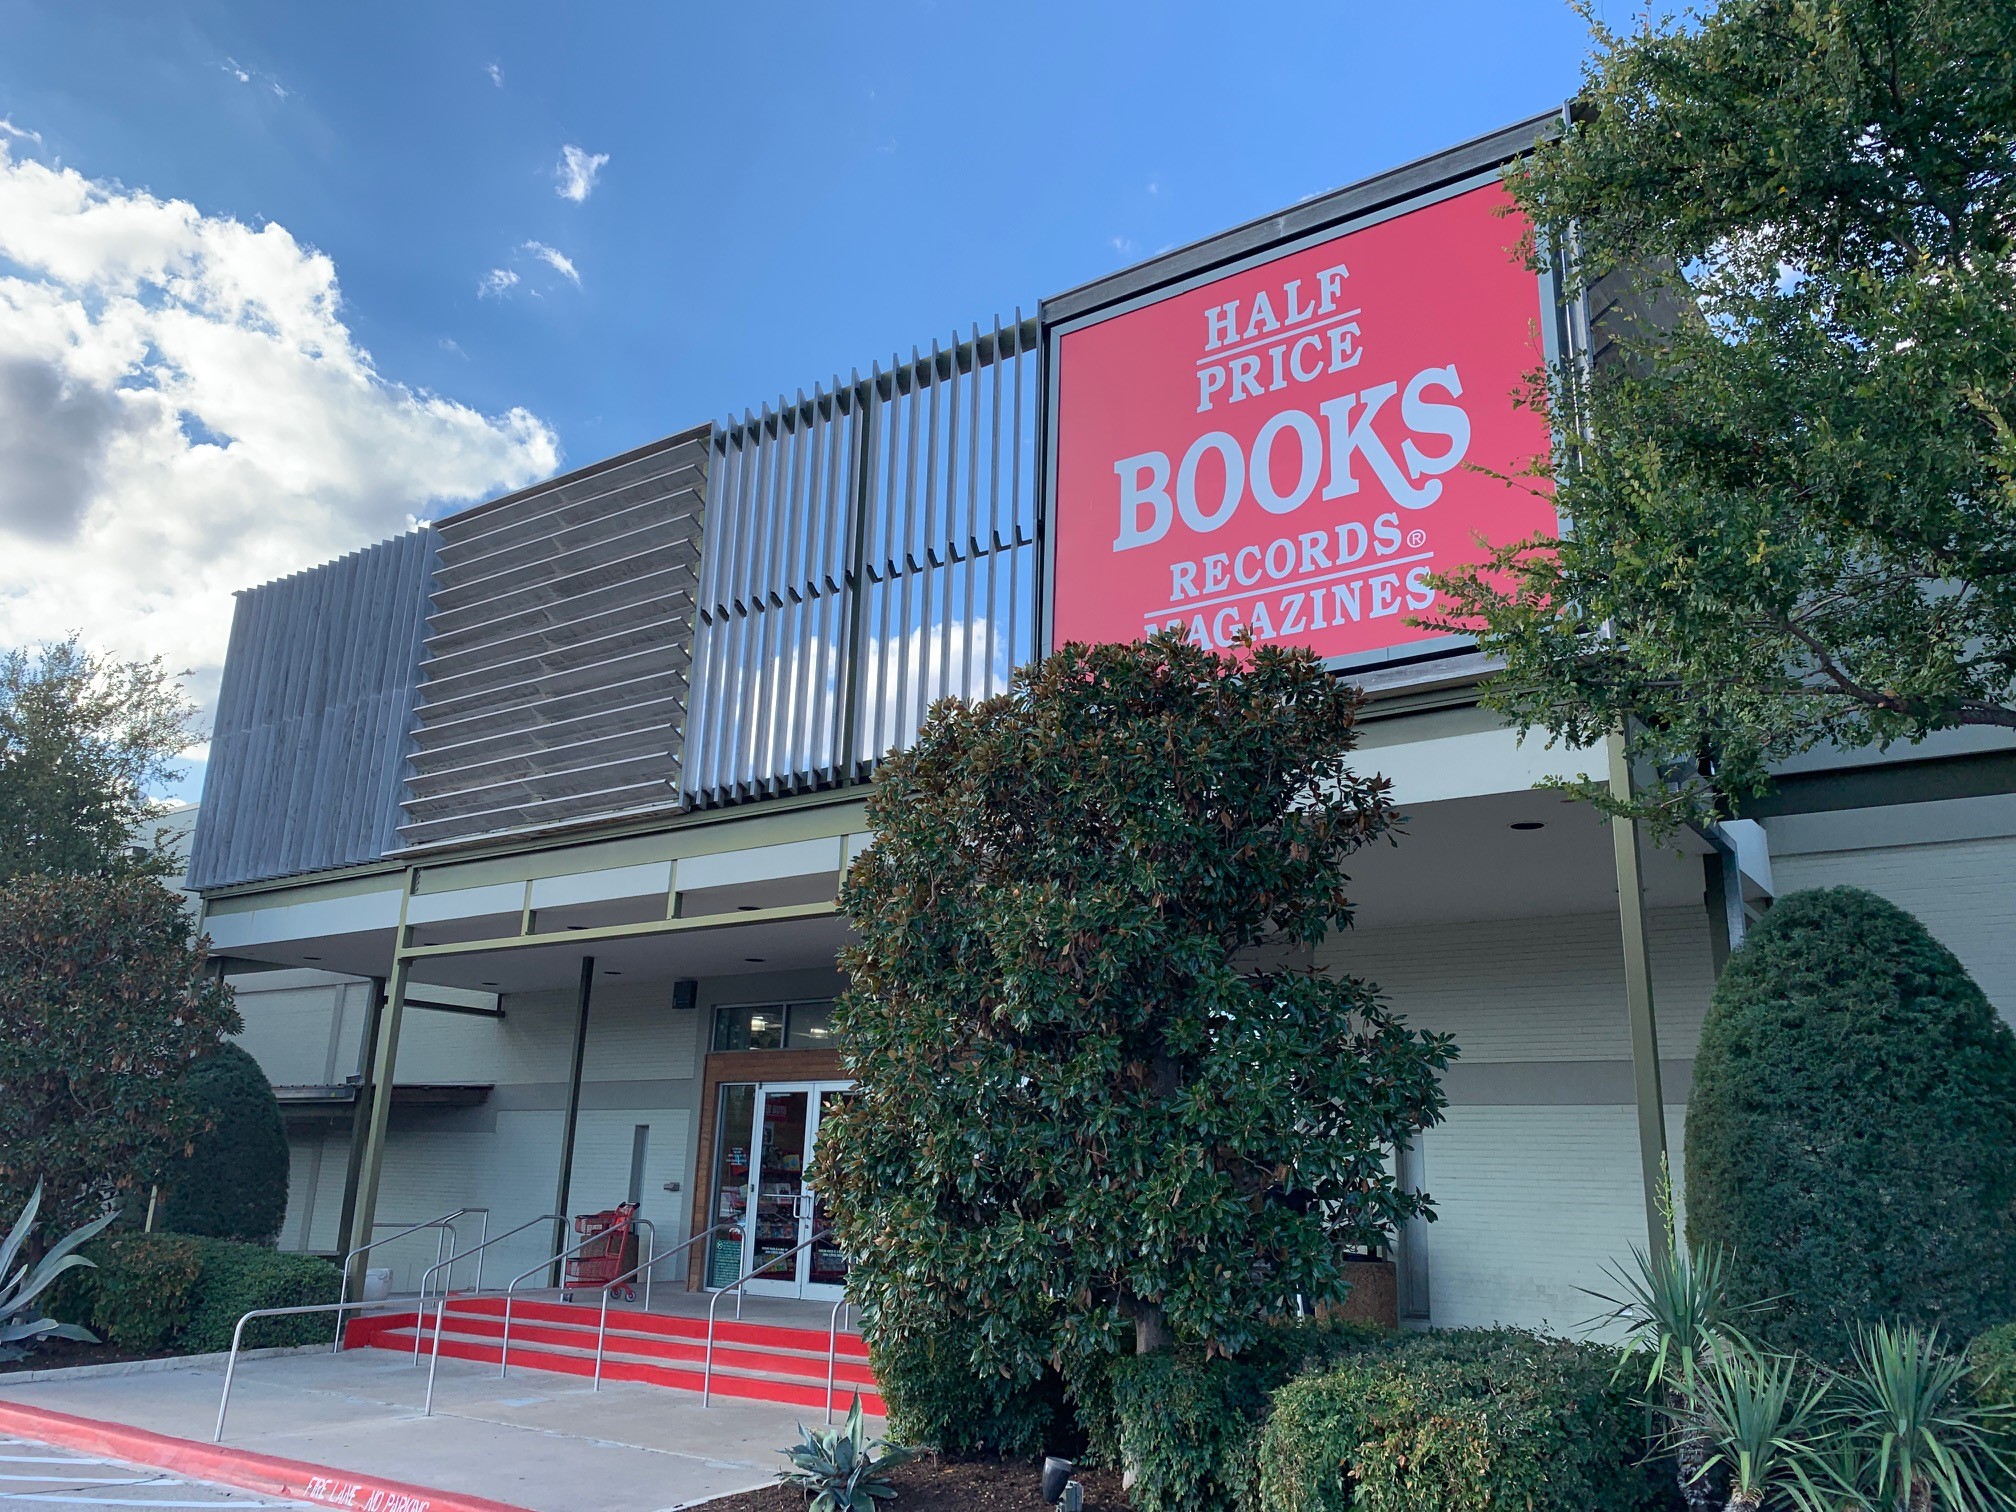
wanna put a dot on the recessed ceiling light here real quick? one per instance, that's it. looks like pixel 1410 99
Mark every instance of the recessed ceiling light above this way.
pixel 754 960
pixel 1528 824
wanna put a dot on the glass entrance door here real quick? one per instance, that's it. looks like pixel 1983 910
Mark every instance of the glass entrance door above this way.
pixel 782 1211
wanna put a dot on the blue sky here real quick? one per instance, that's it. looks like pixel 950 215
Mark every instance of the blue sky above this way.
pixel 789 190
pixel 277 280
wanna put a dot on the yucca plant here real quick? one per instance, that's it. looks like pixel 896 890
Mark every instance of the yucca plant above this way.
pixel 1674 1310
pixel 1912 1439
pixel 22 1286
pixel 1757 1417
pixel 842 1469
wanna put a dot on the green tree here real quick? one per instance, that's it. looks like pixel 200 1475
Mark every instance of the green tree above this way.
pixel 104 1002
pixel 1792 472
pixel 232 1184
pixel 1851 1134
pixel 83 739
pixel 1102 1100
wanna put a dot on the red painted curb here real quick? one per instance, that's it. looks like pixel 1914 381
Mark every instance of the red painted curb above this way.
pixel 242 1468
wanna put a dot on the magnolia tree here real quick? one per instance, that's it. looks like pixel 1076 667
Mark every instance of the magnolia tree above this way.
pixel 1103 1101
pixel 104 1003
pixel 1794 493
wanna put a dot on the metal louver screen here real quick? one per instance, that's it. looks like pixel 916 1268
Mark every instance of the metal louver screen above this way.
pixel 868 551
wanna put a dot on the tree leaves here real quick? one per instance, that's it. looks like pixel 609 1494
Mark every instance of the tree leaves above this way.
pixel 1787 480
pixel 1094 1082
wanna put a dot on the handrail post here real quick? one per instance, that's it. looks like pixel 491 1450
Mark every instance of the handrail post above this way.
pixel 231 1369
pixel 739 1286
pixel 602 1330
pixel 832 1356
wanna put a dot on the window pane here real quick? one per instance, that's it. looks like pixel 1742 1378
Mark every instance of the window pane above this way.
pixel 749 1026
pixel 811 1026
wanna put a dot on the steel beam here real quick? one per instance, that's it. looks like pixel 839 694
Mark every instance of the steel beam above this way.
pixel 1651 1100
pixel 563 1189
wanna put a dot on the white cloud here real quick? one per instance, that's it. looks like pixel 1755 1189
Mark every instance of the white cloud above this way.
pixel 496 74
pixel 246 75
pixel 183 413
pixel 495 284
pixel 555 259
pixel 576 173
pixel 8 128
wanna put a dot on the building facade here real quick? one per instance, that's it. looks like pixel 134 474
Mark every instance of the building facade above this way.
pixel 523 833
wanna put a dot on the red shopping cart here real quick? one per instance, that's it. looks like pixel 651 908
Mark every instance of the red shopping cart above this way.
pixel 610 1252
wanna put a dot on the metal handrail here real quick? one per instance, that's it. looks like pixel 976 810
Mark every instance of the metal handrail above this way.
pixel 238 1336
pixel 448 1290
pixel 707 1369
pixel 602 1332
pixel 511 1287
pixel 833 1353
pixel 445 1222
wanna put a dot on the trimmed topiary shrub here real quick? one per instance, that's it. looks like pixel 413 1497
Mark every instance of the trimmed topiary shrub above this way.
pixel 1189 1422
pixel 1851 1136
pixel 237 1278
pixel 1467 1421
pixel 233 1182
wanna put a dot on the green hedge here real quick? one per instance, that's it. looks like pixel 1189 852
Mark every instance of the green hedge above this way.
pixel 1992 1358
pixel 240 1277
pixel 1466 1421
pixel 153 1292
pixel 1189 1424
pixel 936 1401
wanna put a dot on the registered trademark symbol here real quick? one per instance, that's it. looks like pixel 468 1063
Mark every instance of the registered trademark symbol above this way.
pixel 1417 538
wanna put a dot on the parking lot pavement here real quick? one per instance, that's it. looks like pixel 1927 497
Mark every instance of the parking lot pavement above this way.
pixel 35 1475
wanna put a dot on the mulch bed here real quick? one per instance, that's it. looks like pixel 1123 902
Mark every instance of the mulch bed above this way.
pixel 935 1485
pixel 55 1354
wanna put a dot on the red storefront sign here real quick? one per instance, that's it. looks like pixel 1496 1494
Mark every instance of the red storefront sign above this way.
pixel 1293 448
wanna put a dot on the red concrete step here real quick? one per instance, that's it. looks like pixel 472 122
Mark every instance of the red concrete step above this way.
pixel 672 1325
pixel 617 1365
pixel 806 1363
pixel 760 1361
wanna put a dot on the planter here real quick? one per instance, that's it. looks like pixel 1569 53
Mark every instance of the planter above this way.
pixel 1375 1294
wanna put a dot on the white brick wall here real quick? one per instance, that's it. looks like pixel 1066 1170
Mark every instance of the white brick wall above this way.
pixel 1533 1204
pixel 1535 989
pixel 1534 1200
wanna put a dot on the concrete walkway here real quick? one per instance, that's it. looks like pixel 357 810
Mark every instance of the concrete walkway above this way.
pixel 535 1440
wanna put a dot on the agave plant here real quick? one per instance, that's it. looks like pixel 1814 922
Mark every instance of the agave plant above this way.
pixel 1757 1417
pixel 842 1469
pixel 1911 1440
pixel 21 1287
pixel 1675 1309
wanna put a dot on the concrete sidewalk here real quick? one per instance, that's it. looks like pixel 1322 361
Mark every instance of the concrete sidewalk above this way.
pixel 535 1440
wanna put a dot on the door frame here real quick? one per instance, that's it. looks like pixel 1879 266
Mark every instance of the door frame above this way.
pixel 796 1282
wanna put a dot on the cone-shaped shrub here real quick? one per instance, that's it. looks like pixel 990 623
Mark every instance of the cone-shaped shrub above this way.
pixel 1851 1137
pixel 233 1182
